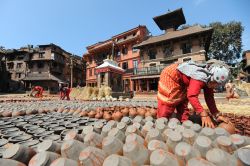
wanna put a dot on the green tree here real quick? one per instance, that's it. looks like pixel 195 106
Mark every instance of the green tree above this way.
pixel 226 42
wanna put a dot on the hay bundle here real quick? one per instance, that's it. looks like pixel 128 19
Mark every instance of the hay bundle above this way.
pixel 94 93
pixel 101 92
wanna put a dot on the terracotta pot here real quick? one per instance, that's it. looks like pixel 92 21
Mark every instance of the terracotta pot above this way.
pixel 117 116
pixel 7 114
pixel 125 111
pixel 148 114
pixel 229 127
pixel 107 116
pixel 153 112
pixel 83 113
pixel 99 115
pixel 132 112
pixel 91 114
pixel 141 111
pixel 78 111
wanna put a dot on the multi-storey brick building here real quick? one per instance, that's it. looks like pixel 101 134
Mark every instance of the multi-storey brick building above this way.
pixel 120 49
pixel 174 46
pixel 16 68
pixel 49 64
pixel 45 65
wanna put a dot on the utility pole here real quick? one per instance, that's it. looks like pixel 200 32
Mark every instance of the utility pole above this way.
pixel 71 72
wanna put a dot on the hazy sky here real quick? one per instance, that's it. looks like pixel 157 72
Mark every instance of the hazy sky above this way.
pixel 75 24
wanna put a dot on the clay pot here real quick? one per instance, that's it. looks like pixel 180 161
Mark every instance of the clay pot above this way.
pixel 148 114
pixel 19 153
pixel 117 116
pixel 77 112
pixel 153 112
pixel 64 162
pixel 125 111
pixel 10 162
pixel 7 114
pixel 132 112
pixel 229 127
pixel 91 114
pixel 99 115
pixel 107 116
pixel 43 159
pixel 141 111
pixel 83 113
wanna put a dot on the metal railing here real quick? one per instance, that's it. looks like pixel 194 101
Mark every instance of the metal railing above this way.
pixel 150 70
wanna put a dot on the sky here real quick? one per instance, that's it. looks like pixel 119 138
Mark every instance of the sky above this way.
pixel 76 24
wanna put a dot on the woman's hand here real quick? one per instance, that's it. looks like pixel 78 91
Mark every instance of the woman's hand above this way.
pixel 222 119
pixel 206 120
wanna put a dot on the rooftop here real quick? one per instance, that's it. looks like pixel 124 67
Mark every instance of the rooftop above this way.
pixel 172 19
pixel 174 35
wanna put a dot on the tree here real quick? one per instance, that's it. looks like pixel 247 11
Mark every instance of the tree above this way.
pixel 226 42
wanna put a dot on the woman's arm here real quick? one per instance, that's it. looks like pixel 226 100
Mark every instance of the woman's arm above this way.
pixel 209 98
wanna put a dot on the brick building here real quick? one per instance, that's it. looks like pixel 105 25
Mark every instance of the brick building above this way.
pixel 44 65
pixel 50 64
pixel 173 46
pixel 16 68
pixel 120 49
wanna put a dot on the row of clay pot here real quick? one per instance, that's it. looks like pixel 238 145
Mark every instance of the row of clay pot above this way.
pixel 115 113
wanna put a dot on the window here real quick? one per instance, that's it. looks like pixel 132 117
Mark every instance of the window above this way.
pixel 186 59
pixel 19 65
pixel 10 65
pixel 135 63
pixel 124 50
pixel 125 65
pixel 152 54
pixel 40 65
pixel 90 72
pixel 134 49
pixel 168 50
pixel 134 34
pixel 118 53
pixel 41 55
pixel 90 60
pixel 186 48
pixel 18 75
pixel 152 65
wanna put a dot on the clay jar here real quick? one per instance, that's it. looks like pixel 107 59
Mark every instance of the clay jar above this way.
pixel 43 159
pixel 125 111
pixel 11 162
pixel 99 115
pixel 117 116
pixel 72 148
pixel 153 112
pixel 229 127
pixel 83 113
pixel 91 114
pixel 64 162
pixel 148 114
pixel 107 116
pixel 141 111
pixel 19 153
pixel 132 112
pixel 92 156
pixel 115 160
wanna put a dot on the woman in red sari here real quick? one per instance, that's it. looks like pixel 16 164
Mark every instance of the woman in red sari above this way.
pixel 182 83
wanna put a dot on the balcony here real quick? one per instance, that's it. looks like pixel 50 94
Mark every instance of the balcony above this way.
pixel 154 70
